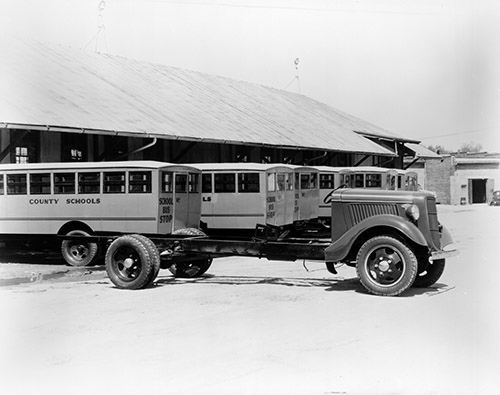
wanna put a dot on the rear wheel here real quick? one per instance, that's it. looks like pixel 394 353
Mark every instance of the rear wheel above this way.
pixel 430 275
pixel 194 268
pixel 153 255
pixel 78 252
pixel 386 266
pixel 129 263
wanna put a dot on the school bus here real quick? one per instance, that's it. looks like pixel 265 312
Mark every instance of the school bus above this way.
pixel 240 196
pixel 82 199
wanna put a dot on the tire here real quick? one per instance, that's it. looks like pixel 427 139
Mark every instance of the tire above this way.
pixel 386 266
pixel 330 266
pixel 188 232
pixel 153 255
pixel 129 263
pixel 78 252
pixel 191 269
pixel 430 275
pixel 195 268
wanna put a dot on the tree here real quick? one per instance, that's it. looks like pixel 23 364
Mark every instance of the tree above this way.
pixel 471 147
pixel 438 149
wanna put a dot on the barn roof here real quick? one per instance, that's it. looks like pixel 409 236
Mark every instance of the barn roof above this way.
pixel 71 90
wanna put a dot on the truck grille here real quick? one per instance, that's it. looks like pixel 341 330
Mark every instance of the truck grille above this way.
pixel 433 221
pixel 360 212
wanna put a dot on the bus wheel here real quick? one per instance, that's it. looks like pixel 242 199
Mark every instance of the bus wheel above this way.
pixel 192 269
pixel 430 275
pixel 386 266
pixel 129 263
pixel 153 254
pixel 78 252
pixel 195 268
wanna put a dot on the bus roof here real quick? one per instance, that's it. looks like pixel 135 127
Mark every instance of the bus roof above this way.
pixel 240 166
pixel 146 164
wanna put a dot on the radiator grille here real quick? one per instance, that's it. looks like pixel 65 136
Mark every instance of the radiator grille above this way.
pixel 360 212
pixel 433 221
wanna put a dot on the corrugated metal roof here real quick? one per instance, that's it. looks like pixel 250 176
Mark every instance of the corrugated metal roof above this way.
pixel 67 89
pixel 422 152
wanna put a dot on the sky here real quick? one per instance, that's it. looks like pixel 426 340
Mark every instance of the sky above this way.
pixel 425 69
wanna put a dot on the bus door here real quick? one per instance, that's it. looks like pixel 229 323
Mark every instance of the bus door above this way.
pixel 346 178
pixel 391 180
pixel 314 195
pixel 166 203
pixel 296 197
pixel 271 197
pixel 280 217
pixel 194 200
pixel 289 197
pixel 304 202
pixel 181 200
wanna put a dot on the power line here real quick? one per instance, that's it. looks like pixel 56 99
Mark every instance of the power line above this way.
pixel 454 134
pixel 292 8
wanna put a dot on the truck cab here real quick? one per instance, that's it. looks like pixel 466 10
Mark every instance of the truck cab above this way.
pixel 393 238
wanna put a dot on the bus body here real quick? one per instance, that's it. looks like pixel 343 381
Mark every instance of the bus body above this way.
pixel 411 181
pixel 306 192
pixel 242 195
pixel 118 197
pixel 395 180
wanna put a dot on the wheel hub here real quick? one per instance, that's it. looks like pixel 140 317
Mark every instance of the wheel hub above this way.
pixel 128 263
pixel 384 265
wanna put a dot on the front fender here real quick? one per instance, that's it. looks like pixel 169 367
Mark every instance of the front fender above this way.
pixel 446 238
pixel 339 248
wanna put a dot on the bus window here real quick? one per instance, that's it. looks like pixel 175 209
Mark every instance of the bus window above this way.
pixel 40 184
pixel 373 180
pixel 271 182
pixel 16 184
pixel 289 181
pixel 181 183
pixel 206 183
pixel 139 182
pixel 193 181
pixel 167 182
pixel 314 181
pixel 359 180
pixel 89 183
pixel 114 182
pixel 305 181
pixel 297 181
pixel 326 181
pixel 280 182
pixel 400 180
pixel 64 183
pixel 1 184
pixel 248 183
pixel 225 182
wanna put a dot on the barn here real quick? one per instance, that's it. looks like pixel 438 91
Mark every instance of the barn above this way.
pixel 61 104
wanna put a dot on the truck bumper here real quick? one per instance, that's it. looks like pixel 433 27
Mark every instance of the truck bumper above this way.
pixel 436 255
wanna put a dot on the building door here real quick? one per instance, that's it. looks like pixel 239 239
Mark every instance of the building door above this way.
pixel 477 190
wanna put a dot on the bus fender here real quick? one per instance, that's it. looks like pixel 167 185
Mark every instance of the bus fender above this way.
pixel 340 248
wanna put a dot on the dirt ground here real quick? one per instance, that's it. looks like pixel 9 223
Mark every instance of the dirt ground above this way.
pixel 253 326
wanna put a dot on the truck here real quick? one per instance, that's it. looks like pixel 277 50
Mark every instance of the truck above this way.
pixel 392 238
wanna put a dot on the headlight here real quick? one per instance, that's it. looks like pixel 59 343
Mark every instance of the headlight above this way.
pixel 412 211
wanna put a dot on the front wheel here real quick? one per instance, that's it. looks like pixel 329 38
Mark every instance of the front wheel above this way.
pixel 386 266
